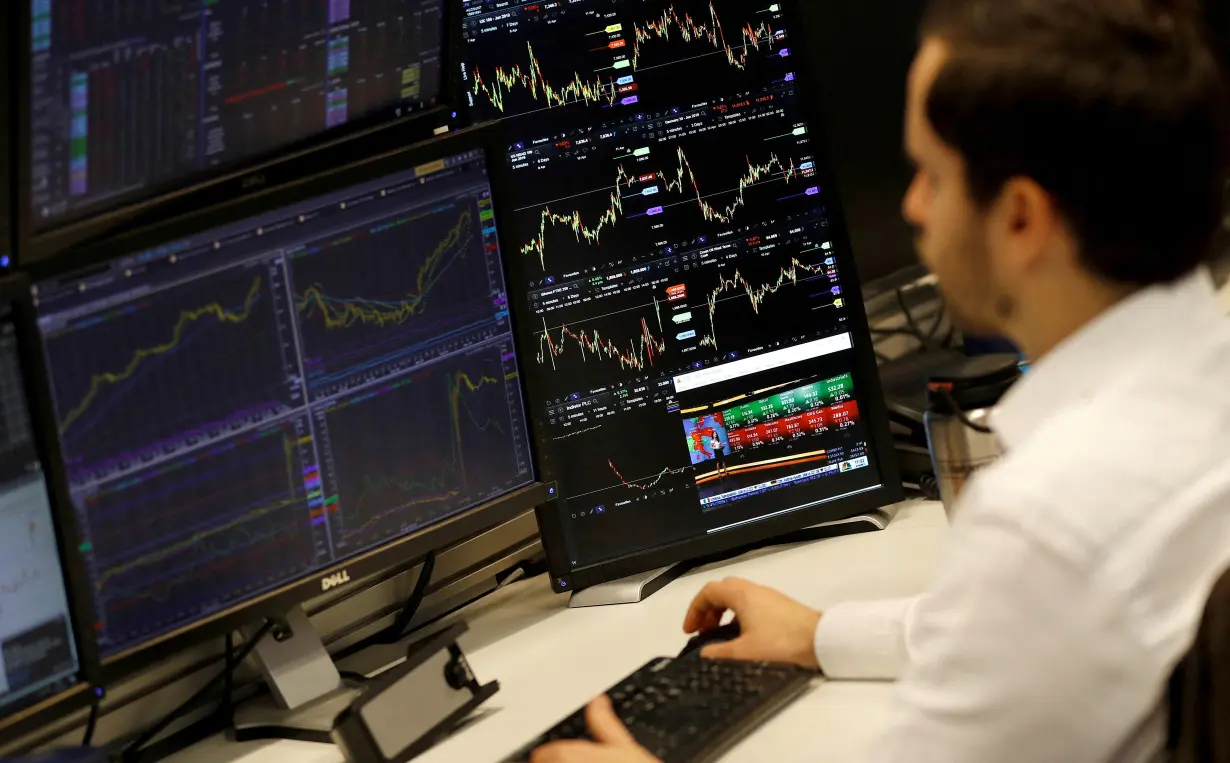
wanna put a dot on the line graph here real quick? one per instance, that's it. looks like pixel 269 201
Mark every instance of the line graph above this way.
pixel 343 313
pixel 640 353
pixel 172 368
pixel 422 447
pixel 682 180
pixel 790 274
pixel 376 298
pixel 238 510
pixel 649 483
pixel 186 318
pixel 577 433
pixel 608 81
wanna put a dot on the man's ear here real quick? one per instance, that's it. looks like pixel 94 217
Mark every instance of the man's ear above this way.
pixel 1026 217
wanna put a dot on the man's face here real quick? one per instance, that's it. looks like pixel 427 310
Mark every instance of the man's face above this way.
pixel 952 236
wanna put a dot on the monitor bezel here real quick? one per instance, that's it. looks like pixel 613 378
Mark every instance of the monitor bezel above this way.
pixel 873 409
pixel 399 554
pixel 97 222
pixel 15 292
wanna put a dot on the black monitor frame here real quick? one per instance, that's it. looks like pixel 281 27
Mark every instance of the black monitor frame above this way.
pixel 284 165
pixel 397 555
pixel 564 579
pixel 15 292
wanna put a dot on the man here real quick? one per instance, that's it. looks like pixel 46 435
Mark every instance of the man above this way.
pixel 1070 158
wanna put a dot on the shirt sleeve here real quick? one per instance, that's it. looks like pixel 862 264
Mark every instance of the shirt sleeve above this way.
pixel 864 640
pixel 1014 656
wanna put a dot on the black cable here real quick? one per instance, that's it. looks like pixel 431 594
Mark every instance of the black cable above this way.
pixel 939 319
pixel 397 631
pixel 91 723
pixel 927 340
pixel 134 748
pixel 228 691
pixel 960 414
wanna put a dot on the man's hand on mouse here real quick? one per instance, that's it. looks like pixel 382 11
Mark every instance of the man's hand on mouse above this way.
pixel 613 743
pixel 772 626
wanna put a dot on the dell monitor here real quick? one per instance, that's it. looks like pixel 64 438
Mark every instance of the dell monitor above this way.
pixel 283 395
pixel 698 362
pixel 40 658
pixel 127 99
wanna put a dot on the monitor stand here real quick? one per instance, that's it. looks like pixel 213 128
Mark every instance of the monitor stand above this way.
pixel 637 588
pixel 307 692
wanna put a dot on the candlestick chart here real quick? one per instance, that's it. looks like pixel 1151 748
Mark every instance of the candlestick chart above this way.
pixel 735 287
pixel 634 58
pixel 163 369
pixel 579 230
pixel 420 448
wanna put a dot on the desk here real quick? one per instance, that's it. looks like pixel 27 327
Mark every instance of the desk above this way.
pixel 549 659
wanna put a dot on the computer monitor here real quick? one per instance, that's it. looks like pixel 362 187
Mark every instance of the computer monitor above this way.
pixel 259 398
pixel 698 361
pixel 127 99
pixel 41 661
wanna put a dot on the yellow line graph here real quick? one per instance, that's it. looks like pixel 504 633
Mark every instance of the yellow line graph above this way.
pixel 338 313
pixel 174 548
pixel 462 379
pixel 186 318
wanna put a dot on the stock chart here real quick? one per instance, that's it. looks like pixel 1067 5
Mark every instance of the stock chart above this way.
pixel 416 450
pixel 606 57
pixel 131 380
pixel 379 296
pixel 250 405
pixel 200 531
pixel 646 187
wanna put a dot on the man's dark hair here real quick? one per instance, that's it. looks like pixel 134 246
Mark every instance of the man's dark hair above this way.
pixel 1117 108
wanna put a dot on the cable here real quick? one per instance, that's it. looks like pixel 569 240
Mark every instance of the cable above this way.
pixel 396 631
pixel 960 414
pixel 927 338
pixel 228 691
pixel 91 723
pixel 134 748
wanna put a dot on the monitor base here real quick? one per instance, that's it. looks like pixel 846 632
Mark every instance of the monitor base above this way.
pixel 636 588
pixel 629 590
pixel 262 718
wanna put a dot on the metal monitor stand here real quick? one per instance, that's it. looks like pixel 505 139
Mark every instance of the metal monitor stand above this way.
pixel 307 691
pixel 637 588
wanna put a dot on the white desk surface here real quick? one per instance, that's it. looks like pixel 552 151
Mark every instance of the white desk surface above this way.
pixel 549 659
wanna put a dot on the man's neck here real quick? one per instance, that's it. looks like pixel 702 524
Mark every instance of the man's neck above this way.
pixel 1047 322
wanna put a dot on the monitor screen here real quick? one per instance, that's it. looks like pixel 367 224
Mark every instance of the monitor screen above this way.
pixel 247 405
pixel 131 96
pixel 684 291
pixel 38 654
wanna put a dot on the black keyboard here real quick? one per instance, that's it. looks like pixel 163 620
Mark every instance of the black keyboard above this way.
pixel 690 710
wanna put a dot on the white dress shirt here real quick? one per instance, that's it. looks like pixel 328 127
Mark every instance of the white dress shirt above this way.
pixel 1078 565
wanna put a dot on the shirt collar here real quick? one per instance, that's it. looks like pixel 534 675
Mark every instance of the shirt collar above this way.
pixel 1085 362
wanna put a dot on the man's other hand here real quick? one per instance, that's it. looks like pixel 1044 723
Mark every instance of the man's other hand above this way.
pixel 613 742
pixel 772 626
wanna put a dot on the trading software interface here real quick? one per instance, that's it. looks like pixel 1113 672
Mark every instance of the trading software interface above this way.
pixel 683 307
pixel 244 407
pixel 129 95
pixel 38 656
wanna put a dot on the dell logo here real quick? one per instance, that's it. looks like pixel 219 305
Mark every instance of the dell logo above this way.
pixel 251 181
pixel 335 580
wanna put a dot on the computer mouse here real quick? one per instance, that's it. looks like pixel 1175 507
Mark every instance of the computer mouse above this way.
pixel 727 632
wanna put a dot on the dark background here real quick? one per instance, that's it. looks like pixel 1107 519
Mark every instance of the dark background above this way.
pixel 860 54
